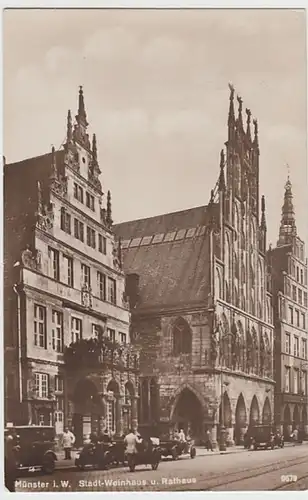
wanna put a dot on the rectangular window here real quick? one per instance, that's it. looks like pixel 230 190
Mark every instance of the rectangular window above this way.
pixel 304 383
pixel 112 291
pixel 111 334
pixel 41 385
pixel 300 297
pixel 303 320
pixel 78 230
pixel 60 406
pixel 78 192
pixel 54 263
pixel 76 329
pixel 288 343
pixel 287 383
pixel 304 348
pixel 102 244
pixel 91 237
pixel 68 270
pixel 101 285
pixel 90 201
pixel 57 331
pixel 40 337
pixel 302 277
pixel 85 275
pixel 294 292
pixel 297 273
pixel 296 346
pixel 296 381
pixel 297 318
pixel 291 314
pixel 65 221
pixel 305 299
pixel 122 337
pixel 59 384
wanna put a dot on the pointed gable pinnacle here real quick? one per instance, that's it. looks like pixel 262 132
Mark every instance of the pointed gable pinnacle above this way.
pixel 81 117
pixel 231 116
pixel 248 133
pixel 69 128
pixel 109 220
pixel 94 148
pixel 263 219
pixel 240 109
pixel 256 137
pixel 54 170
pixel 221 182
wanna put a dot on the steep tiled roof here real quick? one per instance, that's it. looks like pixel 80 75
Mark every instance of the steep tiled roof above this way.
pixel 170 253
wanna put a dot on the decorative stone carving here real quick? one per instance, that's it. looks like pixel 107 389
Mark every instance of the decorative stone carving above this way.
pixel 45 220
pixel 59 186
pixel 86 296
pixel 214 339
pixel 31 260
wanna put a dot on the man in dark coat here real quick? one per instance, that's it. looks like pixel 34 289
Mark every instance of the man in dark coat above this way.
pixel 10 463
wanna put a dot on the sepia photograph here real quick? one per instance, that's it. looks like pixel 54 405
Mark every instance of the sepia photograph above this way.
pixel 155 261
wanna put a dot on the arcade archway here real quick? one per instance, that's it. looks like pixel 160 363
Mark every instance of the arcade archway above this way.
pixel 267 412
pixel 88 410
pixel 188 414
pixel 296 417
pixel 240 420
pixel 287 423
pixel 254 415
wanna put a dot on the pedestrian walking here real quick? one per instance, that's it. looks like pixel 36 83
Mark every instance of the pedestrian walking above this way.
pixel 10 464
pixel 68 439
pixel 131 441
pixel 294 435
pixel 208 441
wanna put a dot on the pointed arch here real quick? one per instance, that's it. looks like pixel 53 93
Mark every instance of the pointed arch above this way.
pixel 296 416
pixel 227 263
pixel 240 420
pixel 254 415
pixel 242 349
pixel 255 350
pixel 179 391
pixel 267 412
pixel 181 337
pixel 226 418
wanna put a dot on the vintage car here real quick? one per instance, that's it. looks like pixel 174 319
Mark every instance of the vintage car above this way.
pixel 148 453
pixel 96 455
pixel 264 436
pixel 176 448
pixel 34 447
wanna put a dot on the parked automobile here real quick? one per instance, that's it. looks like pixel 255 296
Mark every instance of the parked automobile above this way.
pixel 96 455
pixel 34 447
pixel 175 448
pixel 264 436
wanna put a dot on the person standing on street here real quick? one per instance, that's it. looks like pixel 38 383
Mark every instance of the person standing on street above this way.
pixel 131 441
pixel 10 464
pixel 68 439
pixel 208 441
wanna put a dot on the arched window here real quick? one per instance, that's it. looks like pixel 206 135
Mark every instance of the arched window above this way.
pixel 255 351
pixel 242 353
pixel 227 259
pixel 236 265
pixel 243 273
pixel 226 342
pixel 218 284
pixel 182 337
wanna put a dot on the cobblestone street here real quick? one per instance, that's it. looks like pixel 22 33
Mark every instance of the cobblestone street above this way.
pixel 248 470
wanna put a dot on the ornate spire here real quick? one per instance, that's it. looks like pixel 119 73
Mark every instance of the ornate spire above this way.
pixel 120 253
pixel 81 116
pixel 248 133
pixel 109 220
pixel 94 148
pixel 221 182
pixel 54 170
pixel 231 116
pixel 69 128
pixel 287 229
pixel 240 109
pixel 256 137
pixel 263 219
pixel 39 198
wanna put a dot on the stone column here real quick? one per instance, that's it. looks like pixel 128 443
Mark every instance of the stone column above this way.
pixel 119 416
pixel 230 436
pixel 134 413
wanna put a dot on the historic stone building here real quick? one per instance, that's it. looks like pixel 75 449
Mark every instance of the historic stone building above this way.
pixel 288 266
pixel 68 357
pixel 201 310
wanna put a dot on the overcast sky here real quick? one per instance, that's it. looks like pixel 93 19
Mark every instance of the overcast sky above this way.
pixel 156 94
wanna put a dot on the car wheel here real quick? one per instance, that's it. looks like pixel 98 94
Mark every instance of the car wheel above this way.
pixel 49 465
pixel 174 454
pixel 155 465
pixel 193 452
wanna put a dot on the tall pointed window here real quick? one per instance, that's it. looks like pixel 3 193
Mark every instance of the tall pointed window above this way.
pixel 182 337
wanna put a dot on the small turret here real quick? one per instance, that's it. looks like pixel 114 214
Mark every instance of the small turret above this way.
pixel 287 231
pixel 69 128
pixel 109 220
pixel 248 133
pixel 54 170
pixel 81 117
pixel 221 182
